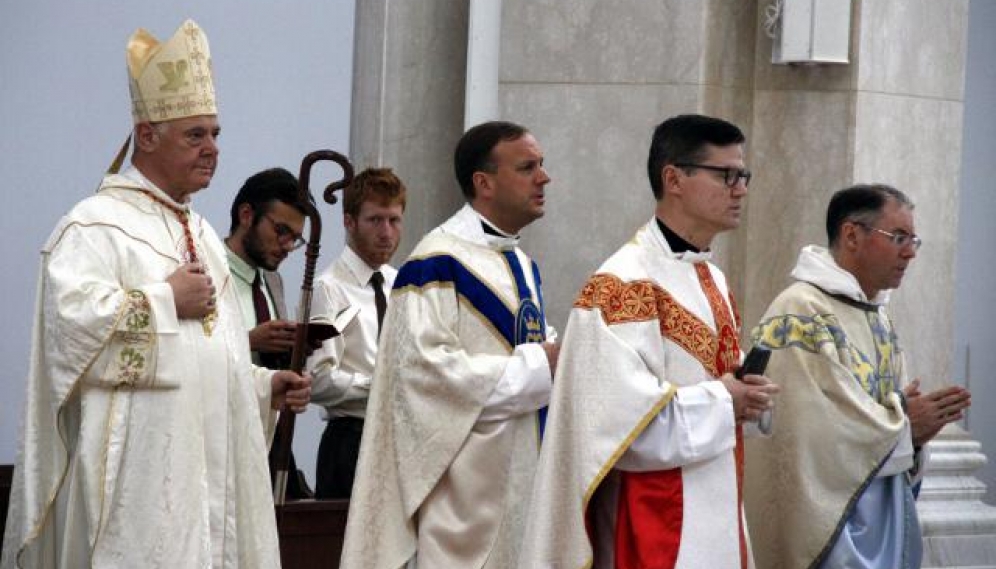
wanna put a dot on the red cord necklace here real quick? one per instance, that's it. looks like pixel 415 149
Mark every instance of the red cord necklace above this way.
pixel 183 216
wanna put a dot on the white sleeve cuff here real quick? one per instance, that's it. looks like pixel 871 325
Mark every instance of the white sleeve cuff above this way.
pixel 696 425
pixel 901 459
pixel 161 298
pixel 523 387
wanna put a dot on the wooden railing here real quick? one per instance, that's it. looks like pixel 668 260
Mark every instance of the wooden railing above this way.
pixel 311 533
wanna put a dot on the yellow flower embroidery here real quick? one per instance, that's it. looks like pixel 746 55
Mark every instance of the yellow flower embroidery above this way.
pixel 822 334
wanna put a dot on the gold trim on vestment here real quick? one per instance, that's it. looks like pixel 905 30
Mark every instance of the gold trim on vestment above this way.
pixel 60 421
pixel 480 279
pixel 488 324
pixel 103 472
pixel 617 454
pixel 461 299
pixel 119 228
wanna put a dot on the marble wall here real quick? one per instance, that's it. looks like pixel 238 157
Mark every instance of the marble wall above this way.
pixel 908 117
pixel 592 79
pixel 894 116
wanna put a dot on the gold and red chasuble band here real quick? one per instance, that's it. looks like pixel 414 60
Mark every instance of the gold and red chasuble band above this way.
pixel 728 345
pixel 649 508
pixel 727 360
pixel 638 301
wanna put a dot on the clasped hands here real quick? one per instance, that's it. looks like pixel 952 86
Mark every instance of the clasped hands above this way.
pixel 929 412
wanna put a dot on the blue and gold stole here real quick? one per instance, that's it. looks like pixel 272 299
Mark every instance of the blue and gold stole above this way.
pixel 526 324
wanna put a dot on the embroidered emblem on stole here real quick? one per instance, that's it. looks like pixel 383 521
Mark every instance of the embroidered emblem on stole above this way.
pixel 529 323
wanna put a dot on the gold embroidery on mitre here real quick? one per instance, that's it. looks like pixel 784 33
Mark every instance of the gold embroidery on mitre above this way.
pixel 172 79
pixel 175 73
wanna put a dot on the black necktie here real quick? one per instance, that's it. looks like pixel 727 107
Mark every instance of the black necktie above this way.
pixel 377 281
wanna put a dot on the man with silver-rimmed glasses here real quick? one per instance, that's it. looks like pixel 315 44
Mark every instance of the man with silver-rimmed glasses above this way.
pixel 833 485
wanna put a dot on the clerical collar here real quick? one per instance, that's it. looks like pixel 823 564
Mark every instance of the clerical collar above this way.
pixel 492 230
pixel 674 241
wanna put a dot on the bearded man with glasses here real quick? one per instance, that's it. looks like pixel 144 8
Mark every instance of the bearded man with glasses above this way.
pixel 267 221
pixel 833 486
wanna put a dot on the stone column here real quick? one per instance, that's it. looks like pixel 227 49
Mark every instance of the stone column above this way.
pixel 408 85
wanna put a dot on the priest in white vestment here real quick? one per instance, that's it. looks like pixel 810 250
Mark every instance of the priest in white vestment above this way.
pixel 641 462
pixel 833 486
pixel 465 362
pixel 144 442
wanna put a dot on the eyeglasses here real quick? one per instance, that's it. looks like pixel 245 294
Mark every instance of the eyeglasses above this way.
pixel 730 175
pixel 285 234
pixel 899 238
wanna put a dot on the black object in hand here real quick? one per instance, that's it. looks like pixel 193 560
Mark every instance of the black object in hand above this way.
pixel 755 363
pixel 318 332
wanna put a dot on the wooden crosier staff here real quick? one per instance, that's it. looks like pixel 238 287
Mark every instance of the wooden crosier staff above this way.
pixel 280 457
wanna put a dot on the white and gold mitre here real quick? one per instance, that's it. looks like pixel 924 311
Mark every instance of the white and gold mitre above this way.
pixel 172 79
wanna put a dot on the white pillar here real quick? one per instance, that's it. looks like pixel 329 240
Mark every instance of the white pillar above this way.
pixel 483 62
